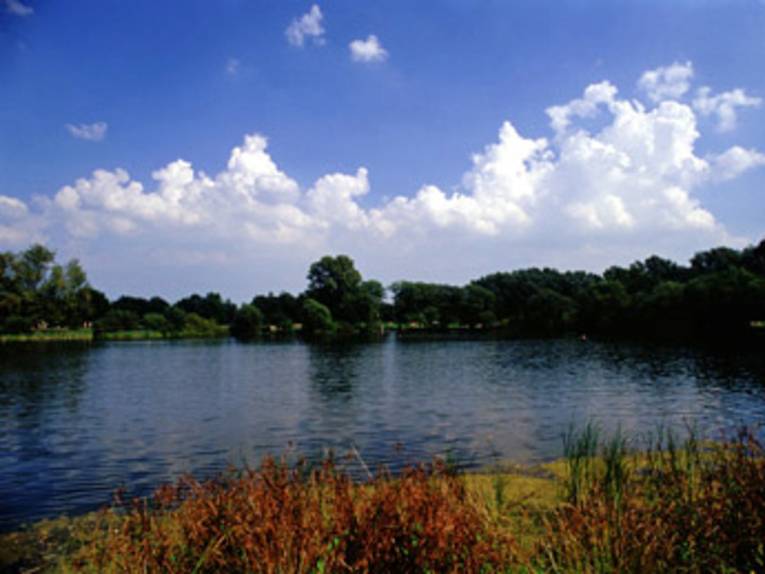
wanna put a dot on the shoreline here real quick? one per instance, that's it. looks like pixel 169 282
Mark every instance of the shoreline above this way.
pixel 43 544
pixel 604 506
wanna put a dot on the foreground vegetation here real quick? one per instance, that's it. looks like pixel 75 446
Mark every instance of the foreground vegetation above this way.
pixel 605 508
pixel 720 294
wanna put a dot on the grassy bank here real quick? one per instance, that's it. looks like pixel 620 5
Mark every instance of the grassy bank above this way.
pixel 56 335
pixel 604 508
pixel 150 335
pixel 50 335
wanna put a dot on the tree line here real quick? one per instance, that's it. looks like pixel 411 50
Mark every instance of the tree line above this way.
pixel 719 292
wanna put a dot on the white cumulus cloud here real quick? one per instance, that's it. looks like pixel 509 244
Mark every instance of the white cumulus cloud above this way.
pixel 95 132
pixel 12 208
pixel 735 161
pixel 369 50
pixel 667 82
pixel 18 225
pixel 723 105
pixel 584 197
pixel 307 26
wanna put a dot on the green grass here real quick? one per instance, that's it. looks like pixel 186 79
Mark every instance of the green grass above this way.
pixel 56 335
pixel 49 335
pixel 136 335
pixel 149 335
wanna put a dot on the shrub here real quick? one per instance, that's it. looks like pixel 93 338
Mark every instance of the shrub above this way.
pixel 689 509
pixel 278 519
pixel 248 323
pixel 317 319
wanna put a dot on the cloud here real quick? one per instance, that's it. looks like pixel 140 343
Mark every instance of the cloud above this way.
pixel 584 197
pixel 250 198
pixel 95 132
pixel 18 8
pixel 584 107
pixel 18 226
pixel 307 26
pixel 12 208
pixel 233 65
pixel 723 105
pixel 735 161
pixel 667 82
pixel 369 50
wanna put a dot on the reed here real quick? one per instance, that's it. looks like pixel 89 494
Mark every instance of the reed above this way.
pixel 672 508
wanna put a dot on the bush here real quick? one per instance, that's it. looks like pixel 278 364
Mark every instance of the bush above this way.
pixel 317 319
pixel 196 326
pixel 117 320
pixel 248 323
pixel 156 322
pixel 671 509
pixel 17 324
pixel 278 519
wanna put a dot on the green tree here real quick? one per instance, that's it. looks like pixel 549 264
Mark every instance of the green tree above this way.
pixel 247 323
pixel 176 318
pixel 335 283
pixel 117 320
pixel 35 289
pixel 211 306
pixel 281 310
pixel 549 313
pixel 715 260
pixel 477 305
pixel 317 318
pixel 156 322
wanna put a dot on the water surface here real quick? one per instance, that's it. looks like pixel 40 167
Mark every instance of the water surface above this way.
pixel 78 421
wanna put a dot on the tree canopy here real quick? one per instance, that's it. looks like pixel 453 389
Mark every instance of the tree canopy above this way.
pixel 720 291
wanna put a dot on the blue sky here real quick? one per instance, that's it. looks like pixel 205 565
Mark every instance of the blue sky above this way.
pixel 445 192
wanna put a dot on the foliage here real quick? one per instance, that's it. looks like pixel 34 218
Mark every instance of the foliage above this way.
pixel 118 320
pixel 211 306
pixel 140 306
pixel 120 324
pixel 278 519
pixel 608 507
pixel 335 283
pixel 689 509
pixel 317 318
pixel 195 326
pixel 721 293
pixel 35 291
pixel 282 310
pixel 247 323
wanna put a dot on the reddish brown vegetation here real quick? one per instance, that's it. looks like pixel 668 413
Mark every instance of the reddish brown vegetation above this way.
pixel 698 508
pixel 690 510
pixel 289 520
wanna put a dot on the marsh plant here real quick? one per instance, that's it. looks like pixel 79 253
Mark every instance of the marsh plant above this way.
pixel 664 505
pixel 689 507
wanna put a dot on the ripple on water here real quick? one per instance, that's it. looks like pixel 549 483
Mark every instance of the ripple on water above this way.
pixel 77 422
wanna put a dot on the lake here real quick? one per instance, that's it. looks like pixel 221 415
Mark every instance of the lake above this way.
pixel 76 422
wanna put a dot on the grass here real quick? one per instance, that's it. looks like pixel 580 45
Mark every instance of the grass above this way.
pixel 606 507
pixel 148 334
pixel 49 335
pixel 135 335
pixel 55 335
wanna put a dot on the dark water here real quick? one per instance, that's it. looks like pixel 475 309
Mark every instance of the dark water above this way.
pixel 77 422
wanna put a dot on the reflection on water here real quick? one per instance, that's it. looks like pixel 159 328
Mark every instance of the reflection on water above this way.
pixel 77 422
